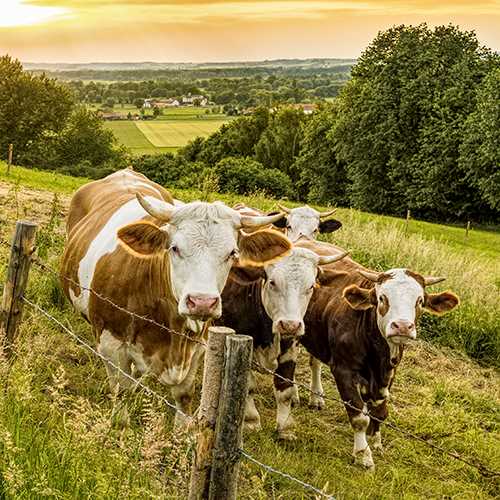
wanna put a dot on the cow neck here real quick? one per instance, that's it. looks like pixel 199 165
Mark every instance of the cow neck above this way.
pixel 262 324
pixel 180 323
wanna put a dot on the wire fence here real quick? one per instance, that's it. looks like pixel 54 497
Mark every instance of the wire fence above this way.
pixel 483 470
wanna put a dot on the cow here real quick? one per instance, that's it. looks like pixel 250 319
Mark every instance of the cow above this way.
pixel 300 222
pixel 359 326
pixel 127 242
pixel 269 304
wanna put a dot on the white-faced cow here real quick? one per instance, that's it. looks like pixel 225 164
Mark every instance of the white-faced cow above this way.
pixel 129 244
pixel 269 304
pixel 358 326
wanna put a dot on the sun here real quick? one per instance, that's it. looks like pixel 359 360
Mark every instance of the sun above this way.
pixel 21 13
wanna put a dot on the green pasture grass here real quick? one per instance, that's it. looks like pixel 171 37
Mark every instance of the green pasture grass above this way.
pixel 62 434
pixel 178 133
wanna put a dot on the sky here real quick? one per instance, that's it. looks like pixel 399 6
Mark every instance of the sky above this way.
pixel 220 30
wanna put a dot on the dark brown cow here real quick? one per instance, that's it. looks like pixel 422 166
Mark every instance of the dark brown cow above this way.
pixel 358 326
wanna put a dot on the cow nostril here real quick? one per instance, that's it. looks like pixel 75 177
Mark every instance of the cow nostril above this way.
pixel 395 325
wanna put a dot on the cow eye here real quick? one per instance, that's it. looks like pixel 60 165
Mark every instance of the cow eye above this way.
pixel 381 299
pixel 175 249
pixel 233 255
pixel 272 283
pixel 420 301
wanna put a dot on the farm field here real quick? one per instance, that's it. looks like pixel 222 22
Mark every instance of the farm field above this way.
pixel 59 438
pixel 161 136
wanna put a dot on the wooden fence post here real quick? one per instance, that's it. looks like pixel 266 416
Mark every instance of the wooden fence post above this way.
pixel 467 229
pixel 207 414
pixel 9 161
pixel 408 215
pixel 17 278
pixel 229 428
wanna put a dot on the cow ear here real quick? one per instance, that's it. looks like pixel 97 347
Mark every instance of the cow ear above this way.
pixel 262 247
pixel 143 239
pixel 247 275
pixel 326 277
pixel 329 225
pixel 441 303
pixel 360 298
pixel 281 223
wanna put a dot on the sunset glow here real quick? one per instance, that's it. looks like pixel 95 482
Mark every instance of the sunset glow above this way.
pixel 216 30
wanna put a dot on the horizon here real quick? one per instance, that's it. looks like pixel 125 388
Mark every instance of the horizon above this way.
pixel 206 31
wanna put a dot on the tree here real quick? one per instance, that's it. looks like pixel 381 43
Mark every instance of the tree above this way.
pixel 32 108
pixel 156 111
pixel 480 151
pixel 323 179
pixel 402 119
pixel 138 103
pixel 110 103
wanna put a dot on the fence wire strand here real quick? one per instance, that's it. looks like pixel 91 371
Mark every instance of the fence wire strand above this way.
pixel 482 469
pixel 305 485
pixel 86 345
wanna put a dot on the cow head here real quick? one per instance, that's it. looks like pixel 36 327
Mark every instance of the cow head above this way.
pixel 203 240
pixel 399 296
pixel 307 222
pixel 288 286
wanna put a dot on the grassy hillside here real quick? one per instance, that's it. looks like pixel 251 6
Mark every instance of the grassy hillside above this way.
pixel 59 437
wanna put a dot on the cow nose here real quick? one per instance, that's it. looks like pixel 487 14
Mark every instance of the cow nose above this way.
pixel 289 327
pixel 403 328
pixel 202 304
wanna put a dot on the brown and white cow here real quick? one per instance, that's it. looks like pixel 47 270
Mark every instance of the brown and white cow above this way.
pixel 170 264
pixel 269 304
pixel 358 326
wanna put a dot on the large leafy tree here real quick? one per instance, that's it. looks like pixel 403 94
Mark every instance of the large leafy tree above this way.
pixel 480 151
pixel 402 121
pixel 31 107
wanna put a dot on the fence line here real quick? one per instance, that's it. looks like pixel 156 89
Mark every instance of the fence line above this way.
pixel 105 359
pixel 151 392
pixel 305 485
pixel 482 469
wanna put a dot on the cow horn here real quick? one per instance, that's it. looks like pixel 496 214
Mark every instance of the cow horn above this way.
pixel 285 209
pixel 430 280
pixel 371 275
pixel 322 215
pixel 260 220
pixel 330 259
pixel 157 208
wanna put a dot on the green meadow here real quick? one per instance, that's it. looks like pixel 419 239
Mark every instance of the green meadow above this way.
pixel 59 432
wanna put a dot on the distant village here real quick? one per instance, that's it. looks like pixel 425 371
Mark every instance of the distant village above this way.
pixel 158 104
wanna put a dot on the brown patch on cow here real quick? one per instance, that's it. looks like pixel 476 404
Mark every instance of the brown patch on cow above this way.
pixel 327 277
pixel 263 247
pixel 383 306
pixel 360 298
pixel 441 303
pixel 417 277
pixel 247 275
pixel 143 239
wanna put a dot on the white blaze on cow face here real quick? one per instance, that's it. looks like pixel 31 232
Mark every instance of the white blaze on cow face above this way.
pixel 287 290
pixel 302 221
pixel 398 297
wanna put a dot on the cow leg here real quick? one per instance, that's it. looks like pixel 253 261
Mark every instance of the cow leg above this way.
pixel 349 391
pixel 183 392
pixel 116 352
pixel 284 390
pixel 380 411
pixel 315 400
pixel 252 417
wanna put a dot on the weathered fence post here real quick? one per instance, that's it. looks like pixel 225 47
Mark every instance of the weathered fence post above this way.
pixel 467 229
pixel 9 160
pixel 17 278
pixel 229 428
pixel 207 414
pixel 407 224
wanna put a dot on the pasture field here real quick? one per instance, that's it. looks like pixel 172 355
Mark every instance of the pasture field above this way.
pixel 178 133
pixel 60 438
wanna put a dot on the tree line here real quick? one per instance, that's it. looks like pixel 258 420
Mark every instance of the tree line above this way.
pixel 416 127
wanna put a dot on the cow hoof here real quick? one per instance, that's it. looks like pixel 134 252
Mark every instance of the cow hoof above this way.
pixel 252 425
pixel 364 459
pixel 316 403
pixel 286 435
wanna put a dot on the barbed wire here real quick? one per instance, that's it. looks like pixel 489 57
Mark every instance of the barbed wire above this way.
pixel 151 392
pixel 483 470
pixel 305 485
pixel 86 345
